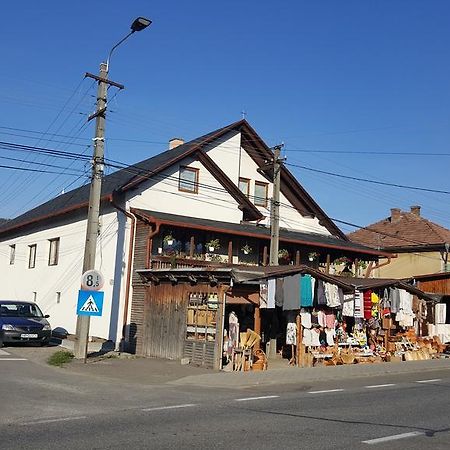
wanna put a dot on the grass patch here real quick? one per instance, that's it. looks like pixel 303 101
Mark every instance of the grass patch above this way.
pixel 60 358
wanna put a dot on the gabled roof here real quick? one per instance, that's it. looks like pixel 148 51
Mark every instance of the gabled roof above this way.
pixel 402 231
pixel 132 176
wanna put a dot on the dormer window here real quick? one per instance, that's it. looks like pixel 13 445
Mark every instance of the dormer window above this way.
pixel 188 180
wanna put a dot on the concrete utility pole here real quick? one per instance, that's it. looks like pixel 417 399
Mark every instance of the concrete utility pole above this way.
pixel 92 231
pixel 275 207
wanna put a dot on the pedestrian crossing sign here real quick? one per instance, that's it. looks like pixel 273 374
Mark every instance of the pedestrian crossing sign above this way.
pixel 90 303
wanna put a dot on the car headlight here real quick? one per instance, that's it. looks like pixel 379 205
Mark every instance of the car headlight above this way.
pixel 46 327
pixel 8 327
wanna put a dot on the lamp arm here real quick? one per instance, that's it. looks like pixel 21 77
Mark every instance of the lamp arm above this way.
pixel 111 51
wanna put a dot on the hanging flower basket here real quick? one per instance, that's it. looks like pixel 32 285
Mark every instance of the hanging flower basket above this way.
pixel 246 249
pixel 313 256
pixel 283 254
pixel 168 239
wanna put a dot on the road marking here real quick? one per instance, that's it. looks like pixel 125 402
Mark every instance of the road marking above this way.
pixel 395 437
pixel 374 386
pixel 3 353
pixel 13 359
pixel 255 398
pixel 325 391
pixel 59 419
pixel 161 408
pixel 428 381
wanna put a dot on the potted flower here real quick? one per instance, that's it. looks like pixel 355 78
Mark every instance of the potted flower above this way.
pixel 312 256
pixel 168 239
pixel 246 249
pixel 283 254
pixel 213 244
pixel 342 260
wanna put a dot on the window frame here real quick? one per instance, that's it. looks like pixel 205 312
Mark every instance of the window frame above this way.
pixel 53 261
pixel 32 256
pixel 194 170
pixel 259 201
pixel 12 254
pixel 244 180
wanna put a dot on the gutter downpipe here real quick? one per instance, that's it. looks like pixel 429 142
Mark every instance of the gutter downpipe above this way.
pixel 377 266
pixel 130 261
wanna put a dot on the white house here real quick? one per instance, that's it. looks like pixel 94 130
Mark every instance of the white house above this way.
pixel 217 183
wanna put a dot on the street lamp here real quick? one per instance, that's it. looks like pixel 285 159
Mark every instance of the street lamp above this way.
pixel 83 322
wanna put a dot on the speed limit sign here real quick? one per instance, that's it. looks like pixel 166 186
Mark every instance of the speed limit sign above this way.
pixel 92 280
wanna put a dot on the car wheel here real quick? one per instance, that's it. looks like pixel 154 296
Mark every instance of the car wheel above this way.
pixel 44 343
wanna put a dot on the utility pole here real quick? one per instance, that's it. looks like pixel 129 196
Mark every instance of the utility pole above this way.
pixel 275 207
pixel 92 230
pixel 271 350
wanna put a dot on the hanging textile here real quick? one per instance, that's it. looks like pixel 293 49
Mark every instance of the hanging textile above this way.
pixel 306 318
pixel 332 295
pixel 375 300
pixel 306 297
pixel 320 298
pixel 233 334
pixel 263 294
pixel 291 333
pixel 330 320
pixel 394 298
pixel 359 307
pixel 440 313
pixel 321 318
pixel 271 293
pixel 331 333
pixel 367 303
pixel 291 292
pixel 348 307
pixel 279 292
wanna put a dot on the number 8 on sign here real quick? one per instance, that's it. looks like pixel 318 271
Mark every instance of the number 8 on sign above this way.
pixel 92 280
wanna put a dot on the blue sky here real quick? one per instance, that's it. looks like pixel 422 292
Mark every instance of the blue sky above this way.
pixel 334 76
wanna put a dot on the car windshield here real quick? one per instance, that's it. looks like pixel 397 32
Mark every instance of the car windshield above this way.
pixel 20 310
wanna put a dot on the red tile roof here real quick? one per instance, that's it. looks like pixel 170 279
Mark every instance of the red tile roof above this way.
pixel 403 230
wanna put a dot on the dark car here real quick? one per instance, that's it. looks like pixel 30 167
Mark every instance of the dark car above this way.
pixel 23 322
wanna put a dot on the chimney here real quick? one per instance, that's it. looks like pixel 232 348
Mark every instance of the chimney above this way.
pixel 415 210
pixel 175 142
pixel 395 214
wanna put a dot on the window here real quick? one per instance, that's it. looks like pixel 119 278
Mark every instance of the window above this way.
pixel 32 256
pixel 53 252
pixel 244 186
pixel 260 193
pixel 12 254
pixel 188 180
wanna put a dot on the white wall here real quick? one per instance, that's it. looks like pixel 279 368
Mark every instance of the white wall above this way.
pixel 211 202
pixel 227 156
pixel 18 282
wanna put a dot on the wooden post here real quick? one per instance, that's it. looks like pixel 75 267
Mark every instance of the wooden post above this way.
pixel 297 258
pixel 230 252
pixel 257 325
pixel 192 247
pixel 327 269
pixel 265 255
pixel 356 267
pixel 300 346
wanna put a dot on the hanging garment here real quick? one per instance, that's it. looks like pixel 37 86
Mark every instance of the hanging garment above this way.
pixel 291 333
pixel 233 332
pixel 406 299
pixel 306 298
pixel 271 293
pixel 315 337
pixel 320 293
pixel 332 295
pixel 348 308
pixel 331 333
pixel 263 294
pixel 375 305
pixel 367 304
pixel 305 318
pixel 307 337
pixel 359 305
pixel 394 298
pixel 291 292
pixel 440 313
pixel 279 292
pixel 330 320
pixel 315 318
pixel 321 318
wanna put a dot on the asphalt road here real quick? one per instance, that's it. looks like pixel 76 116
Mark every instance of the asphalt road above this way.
pixel 44 408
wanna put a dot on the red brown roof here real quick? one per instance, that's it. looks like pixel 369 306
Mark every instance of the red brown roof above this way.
pixel 402 230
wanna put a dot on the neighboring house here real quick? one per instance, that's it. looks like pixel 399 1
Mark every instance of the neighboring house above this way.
pixel 420 246
pixel 168 210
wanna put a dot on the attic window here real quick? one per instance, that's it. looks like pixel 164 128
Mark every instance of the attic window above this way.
pixel 244 186
pixel 261 193
pixel 188 181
